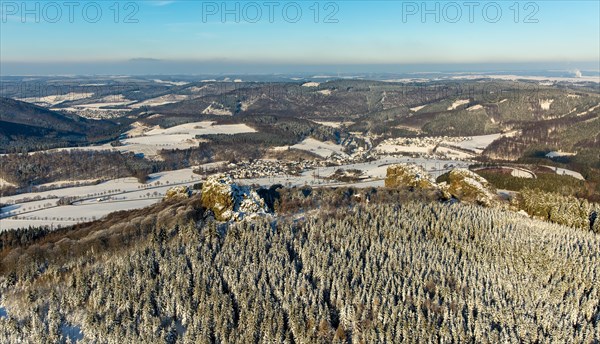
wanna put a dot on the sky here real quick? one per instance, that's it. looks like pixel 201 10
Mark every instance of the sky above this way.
pixel 188 36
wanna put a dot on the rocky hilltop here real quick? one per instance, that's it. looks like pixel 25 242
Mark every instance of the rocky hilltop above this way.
pixel 462 184
pixel 229 201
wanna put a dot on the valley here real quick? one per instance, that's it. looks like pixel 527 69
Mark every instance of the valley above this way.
pixel 321 137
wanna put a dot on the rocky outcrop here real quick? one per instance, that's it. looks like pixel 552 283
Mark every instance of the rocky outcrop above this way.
pixel 405 175
pixel 468 186
pixel 229 201
pixel 462 184
pixel 178 193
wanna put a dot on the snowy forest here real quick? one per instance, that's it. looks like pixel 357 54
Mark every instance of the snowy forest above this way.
pixel 397 267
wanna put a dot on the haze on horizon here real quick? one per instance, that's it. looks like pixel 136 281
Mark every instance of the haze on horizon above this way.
pixel 195 37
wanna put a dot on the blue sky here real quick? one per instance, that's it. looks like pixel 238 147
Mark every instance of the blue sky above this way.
pixel 366 32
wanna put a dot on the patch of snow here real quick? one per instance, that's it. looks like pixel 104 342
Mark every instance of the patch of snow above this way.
pixel 334 124
pixel 162 100
pixel 557 154
pixel 4 183
pixel 458 103
pixel 216 109
pixel 545 103
pixel 589 110
pixel 475 107
pixel 311 84
pixel 417 108
pixel 173 83
pixel 324 92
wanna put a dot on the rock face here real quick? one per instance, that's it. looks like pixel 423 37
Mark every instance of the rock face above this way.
pixel 178 193
pixel 468 186
pixel 229 201
pixel 404 175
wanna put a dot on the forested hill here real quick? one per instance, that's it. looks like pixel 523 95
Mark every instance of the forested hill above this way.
pixel 391 271
pixel 27 126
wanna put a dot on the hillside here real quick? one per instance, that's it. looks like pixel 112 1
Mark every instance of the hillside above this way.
pixel 402 268
pixel 28 126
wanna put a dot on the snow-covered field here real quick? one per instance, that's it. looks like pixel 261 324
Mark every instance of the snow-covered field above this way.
pixel 202 128
pixel 565 172
pixel 162 100
pixel 149 141
pixel 454 153
pixel 475 143
pixel 98 200
pixel 323 149
pixel 311 84
pixel 56 99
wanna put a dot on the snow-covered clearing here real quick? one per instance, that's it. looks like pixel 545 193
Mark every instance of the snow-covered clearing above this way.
pixel 545 103
pixel 417 108
pixel 324 92
pixel 458 103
